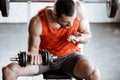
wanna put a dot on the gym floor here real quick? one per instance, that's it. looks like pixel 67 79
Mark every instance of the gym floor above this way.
pixel 103 49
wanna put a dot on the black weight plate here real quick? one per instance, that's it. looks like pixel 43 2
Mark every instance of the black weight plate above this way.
pixel 49 57
pixel 5 4
pixel 22 59
pixel 44 57
pixel 111 8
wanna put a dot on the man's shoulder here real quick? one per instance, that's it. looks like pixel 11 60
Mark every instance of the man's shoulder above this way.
pixel 35 19
pixel 80 9
pixel 79 3
pixel 35 24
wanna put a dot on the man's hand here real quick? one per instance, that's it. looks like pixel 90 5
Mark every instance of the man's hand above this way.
pixel 75 38
pixel 35 58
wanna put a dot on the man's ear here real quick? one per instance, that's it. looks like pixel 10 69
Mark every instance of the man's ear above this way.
pixel 54 15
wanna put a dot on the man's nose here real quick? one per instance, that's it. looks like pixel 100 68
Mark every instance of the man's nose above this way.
pixel 70 23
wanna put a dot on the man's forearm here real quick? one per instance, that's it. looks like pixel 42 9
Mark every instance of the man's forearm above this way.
pixel 84 38
pixel 79 38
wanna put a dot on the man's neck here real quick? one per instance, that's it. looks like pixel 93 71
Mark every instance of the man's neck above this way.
pixel 52 21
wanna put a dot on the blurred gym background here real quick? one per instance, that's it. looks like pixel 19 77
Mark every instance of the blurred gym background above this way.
pixel 103 48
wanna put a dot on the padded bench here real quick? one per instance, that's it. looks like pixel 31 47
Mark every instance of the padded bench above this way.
pixel 56 75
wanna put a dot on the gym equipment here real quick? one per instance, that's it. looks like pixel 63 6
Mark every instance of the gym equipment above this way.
pixel 23 58
pixel 56 75
pixel 111 6
pixel 5 5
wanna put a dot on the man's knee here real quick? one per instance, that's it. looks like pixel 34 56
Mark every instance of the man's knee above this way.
pixel 86 69
pixel 94 75
pixel 9 70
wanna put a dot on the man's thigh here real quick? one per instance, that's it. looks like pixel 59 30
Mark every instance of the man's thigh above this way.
pixel 70 62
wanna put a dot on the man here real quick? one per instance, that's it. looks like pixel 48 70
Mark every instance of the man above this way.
pixel 59 30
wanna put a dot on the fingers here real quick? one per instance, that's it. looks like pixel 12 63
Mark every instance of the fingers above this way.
pixel 71 39
pixel 77 39
pixel 40 59
pixel 35 61
pixel 74 38
pixel 35 58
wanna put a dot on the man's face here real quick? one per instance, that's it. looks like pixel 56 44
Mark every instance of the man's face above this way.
pixel 66 21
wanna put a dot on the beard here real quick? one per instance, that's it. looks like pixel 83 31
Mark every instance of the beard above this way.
pixel 65 26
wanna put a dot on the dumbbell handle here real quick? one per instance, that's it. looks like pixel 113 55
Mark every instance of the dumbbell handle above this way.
pixel 14 59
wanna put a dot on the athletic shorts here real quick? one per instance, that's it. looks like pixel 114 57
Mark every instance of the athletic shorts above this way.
pixel 63 64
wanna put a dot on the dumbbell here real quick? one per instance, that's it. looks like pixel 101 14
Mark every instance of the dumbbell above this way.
pixel 5 5
pixel 111 6
pixel 23 58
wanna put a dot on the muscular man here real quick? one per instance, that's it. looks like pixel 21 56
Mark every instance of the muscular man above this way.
pixel 59 29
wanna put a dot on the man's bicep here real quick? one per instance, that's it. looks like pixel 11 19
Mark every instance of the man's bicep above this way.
pixel 81 10
pixel 34 34
pixel 84 27
pixel 83 19
pixel 34 42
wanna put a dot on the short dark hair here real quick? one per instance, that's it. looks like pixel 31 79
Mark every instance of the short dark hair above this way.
pixel 66 7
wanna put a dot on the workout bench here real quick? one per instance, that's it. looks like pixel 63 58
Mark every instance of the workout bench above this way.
pixel 56 75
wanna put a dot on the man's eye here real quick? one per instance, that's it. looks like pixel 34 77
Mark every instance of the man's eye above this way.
pixel 64 21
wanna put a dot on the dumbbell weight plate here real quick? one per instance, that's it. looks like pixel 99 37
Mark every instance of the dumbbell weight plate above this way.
pixel 4 5
pixel 45 57
pixel 111 8
pixel 48 57
pixel 22 59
